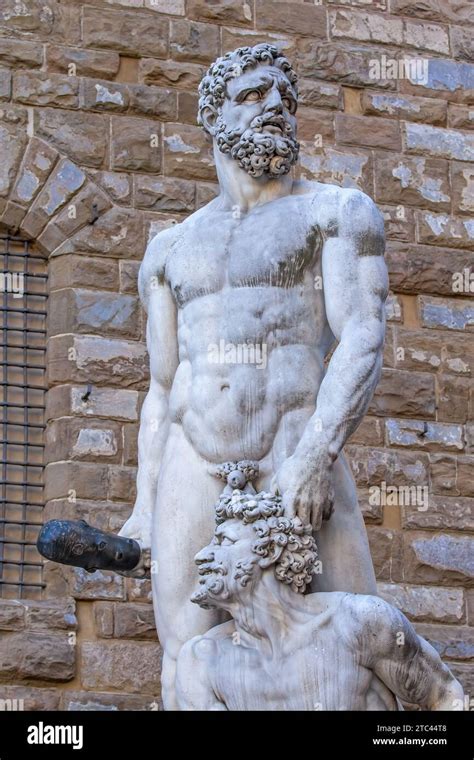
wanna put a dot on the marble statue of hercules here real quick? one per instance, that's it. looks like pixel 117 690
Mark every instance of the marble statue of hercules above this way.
pixel 287 267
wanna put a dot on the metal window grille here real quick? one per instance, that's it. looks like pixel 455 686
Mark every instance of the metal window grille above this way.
pixel 23 295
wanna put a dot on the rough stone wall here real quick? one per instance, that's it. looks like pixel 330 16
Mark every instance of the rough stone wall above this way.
pixel 99 149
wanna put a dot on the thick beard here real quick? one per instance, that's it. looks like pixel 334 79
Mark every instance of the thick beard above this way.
pixel 257 151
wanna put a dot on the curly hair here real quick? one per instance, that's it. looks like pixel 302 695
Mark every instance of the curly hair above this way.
pixel 213 86
pixel 295 563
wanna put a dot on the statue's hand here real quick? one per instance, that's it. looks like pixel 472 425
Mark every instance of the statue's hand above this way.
pixel 306 488
pixel 138 526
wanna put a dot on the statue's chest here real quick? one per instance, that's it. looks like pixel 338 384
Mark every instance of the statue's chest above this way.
pixel 258 250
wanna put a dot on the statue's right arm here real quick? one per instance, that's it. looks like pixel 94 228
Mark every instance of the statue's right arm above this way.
pixel 193 683
pixel 162 345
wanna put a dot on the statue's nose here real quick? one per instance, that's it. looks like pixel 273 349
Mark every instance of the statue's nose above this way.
pixel 205 555
pixel 273 101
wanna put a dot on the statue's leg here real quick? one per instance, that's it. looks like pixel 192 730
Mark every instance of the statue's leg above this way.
pixel 342 541
pixel 182 524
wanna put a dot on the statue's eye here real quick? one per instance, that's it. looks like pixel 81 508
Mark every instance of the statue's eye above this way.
pixel 252 96
pixel 226 541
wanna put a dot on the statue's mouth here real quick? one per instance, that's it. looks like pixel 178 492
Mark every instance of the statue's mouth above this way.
pixel 273 125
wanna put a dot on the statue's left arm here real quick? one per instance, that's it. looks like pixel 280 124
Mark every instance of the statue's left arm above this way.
pixel 406 663
pixel 355 285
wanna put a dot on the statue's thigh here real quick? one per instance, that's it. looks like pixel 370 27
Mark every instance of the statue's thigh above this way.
pixel 346 563
pixel 183 523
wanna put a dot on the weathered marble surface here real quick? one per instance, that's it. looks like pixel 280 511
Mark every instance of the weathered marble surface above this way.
pixel 245 299
pixel 287 651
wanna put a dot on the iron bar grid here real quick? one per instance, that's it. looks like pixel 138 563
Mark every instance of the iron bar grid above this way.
pixel 23 347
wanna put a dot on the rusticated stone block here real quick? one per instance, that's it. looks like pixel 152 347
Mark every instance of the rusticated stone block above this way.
pixel 41 89
pixel 385 548
pixel 462 43
pixel 132 32
pixel 12 615
pixel 205 193
pixel 134 621
pixel 294 18
pixel 423 36
pixel 122 483
pixel 83 271
pixel 37 656
pixel 39 160
pixel 193 41
pixel 365 27
pixel 118 185
pixel 76 480
pixel 13 141
pixel 426 435
pixel 222 11
pixel 462 178
pixel 32 699
pixel 452 314
pixel 188 152
pixel 443 513
pixel 440 559
pixel 170 73
pixel 97 585
pixel 425 603
pixel 130 448
pixel 455 398
pixel 424 269
pixel 445 230
pixel 369 131
pixel 21 53
pixel 465 481
pixel 104 619
pixel 84 63
pixel 74 310
pixel 416 181
pixel 233 38
pixel 443 474
pixel 320 94
pixel 117 233
pixel 430 351
pixel 66 179
pixel 456 12
pixel 111 403
pixel 188 107
pixel 50 20
pixel 410 107
pixel 100 361
pixel 82 136
pixel 136 145
pixel 407 394
pixel 164 194
pixel 347 167
pixel 371 466
pixel 125 666
pixel 5 84
pixel 56 614
pixel 138 589
pixel 129 276
pixel 72 439
pixel 451 642
pixel 87 700
pixel 393 308
pixel 346 64
pixel 369 433
pixel 437 142
pixel 460 117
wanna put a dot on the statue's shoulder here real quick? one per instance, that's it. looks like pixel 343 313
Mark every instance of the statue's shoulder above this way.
pixel 209 644
pixel 345 212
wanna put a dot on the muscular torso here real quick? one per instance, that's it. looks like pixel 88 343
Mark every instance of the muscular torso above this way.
pixel 296 678
pixel 252 328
